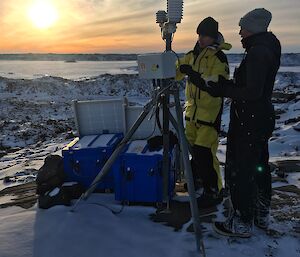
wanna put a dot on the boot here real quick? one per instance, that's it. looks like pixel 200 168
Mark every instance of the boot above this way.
pixel 261 219
pixel 209 198
pixel 234 226
pixel 261 211
pixel 197 185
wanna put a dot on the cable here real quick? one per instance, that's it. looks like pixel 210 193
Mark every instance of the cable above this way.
pixel 178 59
pixel 110 209
pixel 152 133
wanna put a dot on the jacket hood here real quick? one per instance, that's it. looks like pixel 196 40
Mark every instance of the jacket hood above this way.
pixel 220 43
pixel 267 39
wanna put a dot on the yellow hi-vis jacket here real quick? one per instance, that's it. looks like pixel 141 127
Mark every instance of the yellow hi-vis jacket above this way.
pixel 202 110
pixel 211 62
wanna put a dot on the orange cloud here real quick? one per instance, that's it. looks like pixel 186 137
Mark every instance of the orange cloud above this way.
pixel 129 27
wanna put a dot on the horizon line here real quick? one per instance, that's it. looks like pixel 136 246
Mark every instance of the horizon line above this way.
pixel 40 53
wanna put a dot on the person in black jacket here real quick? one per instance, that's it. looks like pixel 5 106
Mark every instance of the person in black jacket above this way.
pixel 252 121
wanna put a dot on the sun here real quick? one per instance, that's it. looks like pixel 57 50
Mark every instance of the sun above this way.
pixel 43 14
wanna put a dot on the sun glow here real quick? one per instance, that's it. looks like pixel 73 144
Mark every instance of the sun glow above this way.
pixel 43 14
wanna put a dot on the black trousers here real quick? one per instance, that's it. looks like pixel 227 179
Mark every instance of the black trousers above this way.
pixel 203 168
pixel 247 172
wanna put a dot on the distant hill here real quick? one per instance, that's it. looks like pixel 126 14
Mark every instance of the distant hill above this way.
pixel 288 59
pixel 68 57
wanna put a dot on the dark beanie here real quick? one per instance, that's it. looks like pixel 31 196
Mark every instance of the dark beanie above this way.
pixel 208 27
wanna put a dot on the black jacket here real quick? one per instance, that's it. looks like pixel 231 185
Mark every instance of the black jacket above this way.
pixel 252 111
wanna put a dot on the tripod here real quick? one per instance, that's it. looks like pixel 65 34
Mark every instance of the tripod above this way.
pixel 162 95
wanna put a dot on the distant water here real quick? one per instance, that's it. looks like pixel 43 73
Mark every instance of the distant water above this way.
pixel 68 70
pixel 84 69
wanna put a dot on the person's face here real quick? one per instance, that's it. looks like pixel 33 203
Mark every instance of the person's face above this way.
pixel 205 41
pixel 245 33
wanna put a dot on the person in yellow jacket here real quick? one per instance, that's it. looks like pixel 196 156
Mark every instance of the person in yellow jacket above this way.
pixel 203 112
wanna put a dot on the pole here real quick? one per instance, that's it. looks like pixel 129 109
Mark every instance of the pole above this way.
pixel 166 146
pixel 189 176
pixel 166 133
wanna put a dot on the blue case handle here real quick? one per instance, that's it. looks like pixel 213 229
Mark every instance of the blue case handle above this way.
pixel 113 139
pixel 96 137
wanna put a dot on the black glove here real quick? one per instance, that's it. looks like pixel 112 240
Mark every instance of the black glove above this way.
pixel 186 69
pixel 214 89
pixel 194 76
pixel 219 88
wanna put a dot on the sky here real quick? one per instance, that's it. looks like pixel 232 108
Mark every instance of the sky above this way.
pixel 128 26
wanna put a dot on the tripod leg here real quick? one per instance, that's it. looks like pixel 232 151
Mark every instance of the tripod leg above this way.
pixel 166 145
pixel 173 121
pixel 180 157
pixel 189 176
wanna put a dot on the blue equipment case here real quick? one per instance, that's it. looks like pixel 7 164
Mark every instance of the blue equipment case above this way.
pixel 139 176
pixel 85 157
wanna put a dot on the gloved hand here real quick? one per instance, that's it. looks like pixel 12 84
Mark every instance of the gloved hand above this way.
pixel 218 89
pixel 194 76
pixel 214 89
pixel 186 69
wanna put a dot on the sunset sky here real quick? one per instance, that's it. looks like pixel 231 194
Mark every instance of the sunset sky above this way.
pixel 128 26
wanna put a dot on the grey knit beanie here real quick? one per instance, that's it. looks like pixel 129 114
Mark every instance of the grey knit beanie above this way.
pixel 256 21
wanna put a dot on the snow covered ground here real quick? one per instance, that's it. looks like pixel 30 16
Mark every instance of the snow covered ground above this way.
pixel 95 231
pixel 36 119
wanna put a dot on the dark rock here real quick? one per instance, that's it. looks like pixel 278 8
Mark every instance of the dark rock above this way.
pixel 274 233
pixel 70 135
pixel 2 153
pixel 51 122
pixel 279 179
pixel 59 130
pixel 7 180
pixel 293 120
pixel 23 195
pixel 288 189
pixel 14 128
pixel 288 165
pixel 273 167
pixel 280 173
pixel 297 127
pixel 279 112
pixel 283 97
pixel 13 149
